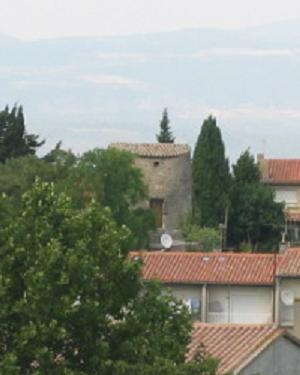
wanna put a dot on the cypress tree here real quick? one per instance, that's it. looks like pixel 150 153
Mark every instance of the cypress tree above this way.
pixel 14 140
pixel 165 135
pixel 210 176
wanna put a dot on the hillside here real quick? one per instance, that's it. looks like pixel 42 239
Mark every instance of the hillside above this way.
pixel 89 91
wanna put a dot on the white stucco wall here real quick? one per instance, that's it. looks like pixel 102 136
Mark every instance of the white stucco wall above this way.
pixel 294 286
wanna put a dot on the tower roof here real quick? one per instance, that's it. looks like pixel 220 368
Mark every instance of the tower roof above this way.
pixel 153 150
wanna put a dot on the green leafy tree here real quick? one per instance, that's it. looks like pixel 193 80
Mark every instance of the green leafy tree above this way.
pixel 72 302
pixel 107 176
pixel 110 177
pixel 255 220
pixel 210 176
pixel 14 140
pixel 246 170
pixel 165 135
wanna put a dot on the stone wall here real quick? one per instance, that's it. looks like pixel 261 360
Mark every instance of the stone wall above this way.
pixel 170 179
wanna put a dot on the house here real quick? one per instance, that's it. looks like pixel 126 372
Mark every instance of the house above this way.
pixel 167 173
pixel 245 307
pixel 233 288
pixel 248 349
pixel 219 287
pixel 284 176
pixel 287 286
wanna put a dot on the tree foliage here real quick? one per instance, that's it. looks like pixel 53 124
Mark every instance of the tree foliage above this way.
pixel 210 176
pixel 208 239
pixel 110 177
pixel 14 140
pixel 165 135
pixel 246 170
pixel 254 218
pixel 107 176
pixel 72 302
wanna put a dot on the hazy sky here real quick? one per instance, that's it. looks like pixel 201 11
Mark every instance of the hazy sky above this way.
pixel 34 19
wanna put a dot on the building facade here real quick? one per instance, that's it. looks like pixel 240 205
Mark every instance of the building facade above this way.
pixel 245 307
pixel 232 288
pixel 284 176
pixel 248 349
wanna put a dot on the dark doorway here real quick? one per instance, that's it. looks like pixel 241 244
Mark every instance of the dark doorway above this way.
pixel 156 206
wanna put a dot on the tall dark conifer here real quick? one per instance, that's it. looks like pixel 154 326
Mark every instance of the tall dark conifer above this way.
pixel 14 141
pixel 255 220
pixel 165 135
pixel 210 176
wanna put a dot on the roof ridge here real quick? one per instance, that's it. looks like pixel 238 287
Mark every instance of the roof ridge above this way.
pixel 236 325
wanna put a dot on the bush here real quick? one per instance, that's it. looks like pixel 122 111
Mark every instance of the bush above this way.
pixel 208 238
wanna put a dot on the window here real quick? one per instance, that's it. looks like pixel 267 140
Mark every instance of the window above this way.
pixel 155 163
pixel 240 305
pixel 289 197
pixel 156 205
pixel 194 306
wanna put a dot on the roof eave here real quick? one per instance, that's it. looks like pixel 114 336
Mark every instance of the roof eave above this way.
pixel 204 282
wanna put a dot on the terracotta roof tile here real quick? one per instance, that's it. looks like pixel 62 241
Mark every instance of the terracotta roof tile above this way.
pixel 233 344
pixel 220 268
pixel 153 150
pixel 288 264
pixel 281 171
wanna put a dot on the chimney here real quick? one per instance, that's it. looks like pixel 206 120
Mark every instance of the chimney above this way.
pixel 263 167
pixel 260 158
pixel 284 244
pixel 283 247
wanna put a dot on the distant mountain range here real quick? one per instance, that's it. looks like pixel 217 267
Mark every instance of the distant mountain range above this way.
pixel 89 91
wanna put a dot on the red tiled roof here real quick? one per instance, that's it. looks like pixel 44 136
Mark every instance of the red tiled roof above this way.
pixel 288 264
pixel 235 345
pixel 152 150
pixel 217 268
pixel 285 171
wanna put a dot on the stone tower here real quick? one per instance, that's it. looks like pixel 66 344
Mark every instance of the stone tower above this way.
pixel 167 173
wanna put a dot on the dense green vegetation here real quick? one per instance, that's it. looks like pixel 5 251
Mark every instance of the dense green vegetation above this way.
pixel 110 178
pixel 207 239
pixel 255 221
pixel 14 140
pixel 107 177
pixel 72 301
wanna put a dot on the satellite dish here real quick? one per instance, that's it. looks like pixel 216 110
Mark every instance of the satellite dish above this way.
pixel 287 297
pixel 166 240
